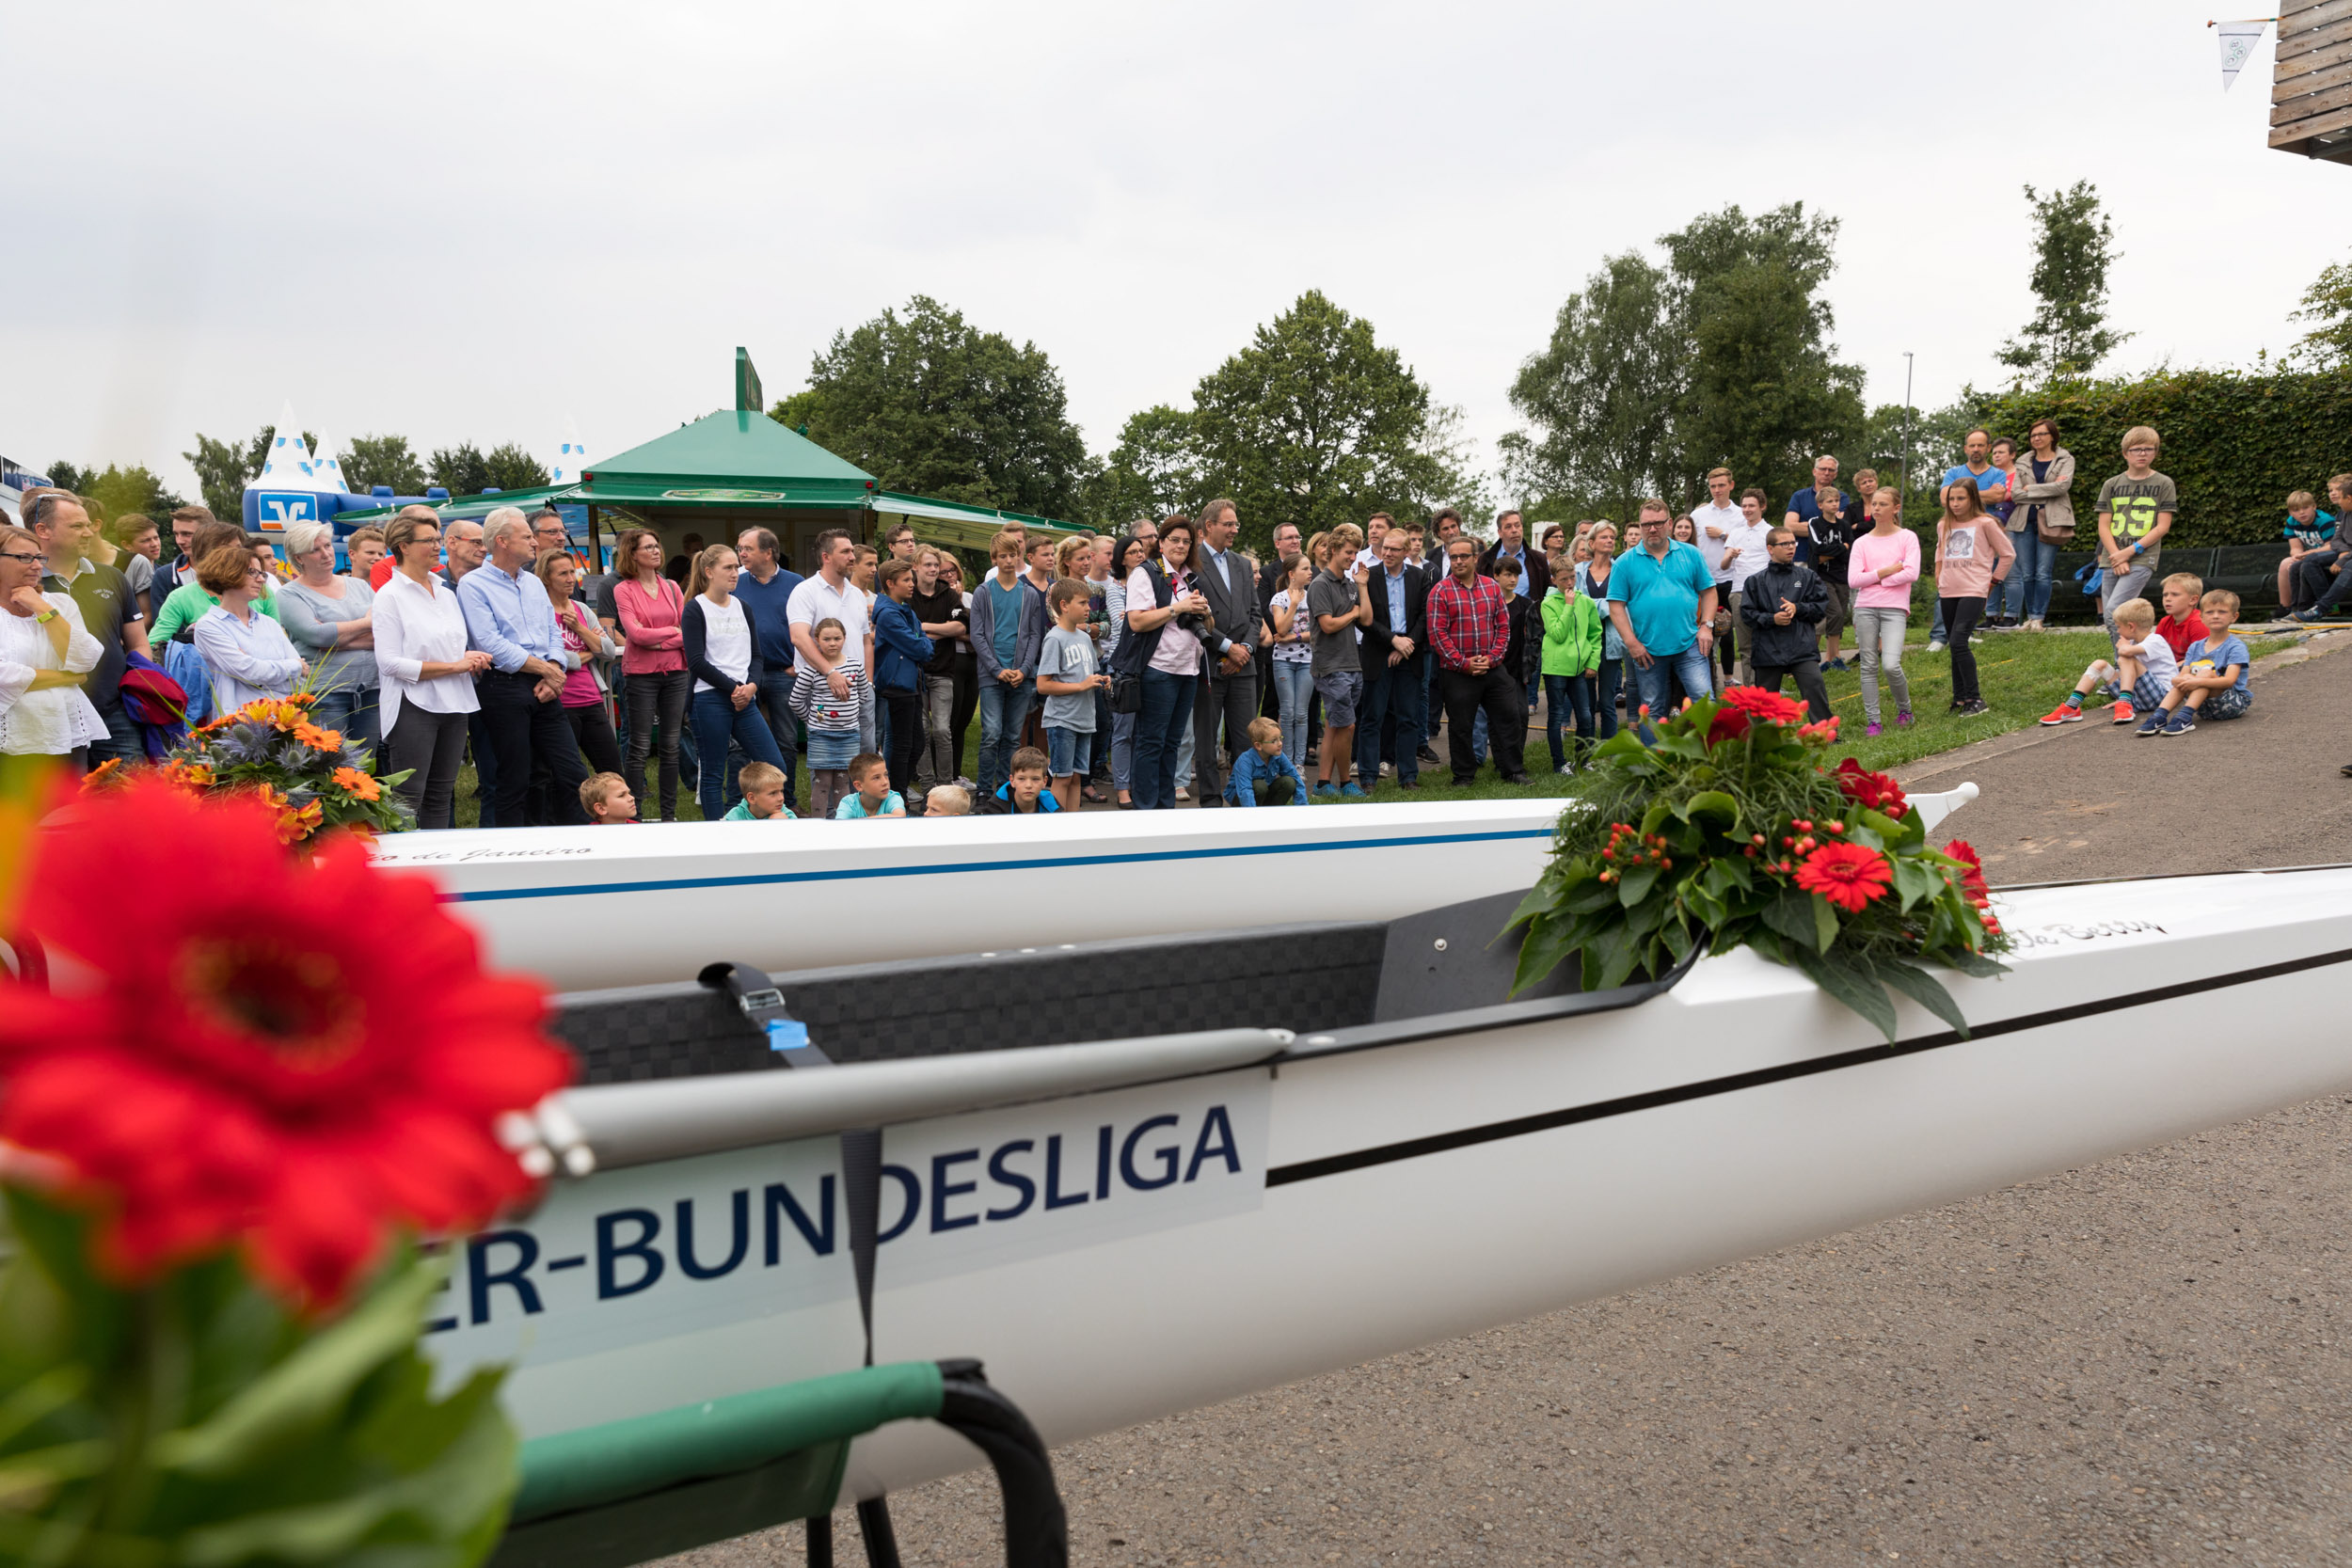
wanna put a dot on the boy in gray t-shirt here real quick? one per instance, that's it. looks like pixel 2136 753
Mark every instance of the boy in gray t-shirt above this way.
pixel 1068 673
pixel 1338 668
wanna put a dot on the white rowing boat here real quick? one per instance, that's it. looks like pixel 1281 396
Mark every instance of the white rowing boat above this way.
pixel 1133 1177
pixel 608 907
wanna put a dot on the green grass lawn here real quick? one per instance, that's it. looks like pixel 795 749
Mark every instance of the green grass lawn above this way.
pixel 2022 676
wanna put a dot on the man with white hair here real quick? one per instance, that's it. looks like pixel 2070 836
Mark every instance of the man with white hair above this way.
pixel 509 617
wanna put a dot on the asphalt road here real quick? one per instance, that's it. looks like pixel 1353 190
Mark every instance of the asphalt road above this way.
pixel 2143 1361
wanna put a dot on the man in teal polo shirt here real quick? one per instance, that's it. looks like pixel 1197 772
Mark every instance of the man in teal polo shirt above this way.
pixel 1662 598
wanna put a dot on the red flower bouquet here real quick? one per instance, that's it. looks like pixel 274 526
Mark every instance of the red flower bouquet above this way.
pixel 1732 830
pixel 219 1144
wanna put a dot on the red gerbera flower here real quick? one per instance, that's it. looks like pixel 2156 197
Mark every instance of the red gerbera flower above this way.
pixel 1878 791
pixel 1972 875
pixel 1744 705
pixel 1847 875
pixel 295 1055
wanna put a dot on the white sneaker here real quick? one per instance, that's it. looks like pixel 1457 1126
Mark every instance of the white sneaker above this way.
pixel 1567 769
pixel 1935 645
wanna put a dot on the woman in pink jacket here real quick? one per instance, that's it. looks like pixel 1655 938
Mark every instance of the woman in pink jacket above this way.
pixel 1972 553
pixel 653 663
pixel 1881 568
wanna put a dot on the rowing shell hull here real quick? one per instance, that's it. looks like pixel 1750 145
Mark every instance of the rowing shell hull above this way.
pixel 1358 1202
pixel 592 907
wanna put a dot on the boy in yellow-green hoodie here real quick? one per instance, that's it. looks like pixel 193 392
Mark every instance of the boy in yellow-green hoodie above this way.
pixel 1571 654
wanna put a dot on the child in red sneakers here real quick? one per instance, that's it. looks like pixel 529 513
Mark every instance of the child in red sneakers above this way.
pixel 2137 681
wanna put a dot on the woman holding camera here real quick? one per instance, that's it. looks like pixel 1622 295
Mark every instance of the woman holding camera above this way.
pixel 1167 614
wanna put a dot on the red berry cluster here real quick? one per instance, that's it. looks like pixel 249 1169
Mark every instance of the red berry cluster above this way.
pixel 1629 850
pixel 1803 836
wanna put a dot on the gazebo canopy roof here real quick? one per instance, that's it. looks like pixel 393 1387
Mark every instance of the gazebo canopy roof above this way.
pixel 736 458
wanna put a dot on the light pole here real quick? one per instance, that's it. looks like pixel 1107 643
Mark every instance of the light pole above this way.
pixel 1902 494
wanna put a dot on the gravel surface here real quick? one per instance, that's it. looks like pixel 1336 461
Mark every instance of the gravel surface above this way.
pixel 2142 1361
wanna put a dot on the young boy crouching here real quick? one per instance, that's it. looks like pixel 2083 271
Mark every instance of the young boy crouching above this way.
pixel 1263 776
pixel 763 796
pixel 1024 793
pixel 947 801
pixel 2212 679
pixel 606 799
pixel 2138 679
pixel 871 794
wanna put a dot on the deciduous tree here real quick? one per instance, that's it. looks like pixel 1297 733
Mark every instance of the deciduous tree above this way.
pixel 930 404
pixel 2073 247
pixel 1601 395
pixel 1316 424
pixel 1762 391
pixel 374 460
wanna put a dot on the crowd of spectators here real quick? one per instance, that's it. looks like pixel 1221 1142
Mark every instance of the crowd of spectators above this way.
pixel 1146 666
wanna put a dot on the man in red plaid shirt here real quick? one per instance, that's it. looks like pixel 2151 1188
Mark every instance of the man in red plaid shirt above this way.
pixel 1469 628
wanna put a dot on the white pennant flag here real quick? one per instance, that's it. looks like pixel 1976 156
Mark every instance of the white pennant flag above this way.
pixel 2237 42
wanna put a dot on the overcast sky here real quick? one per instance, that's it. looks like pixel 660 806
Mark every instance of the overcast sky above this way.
pixel 473 221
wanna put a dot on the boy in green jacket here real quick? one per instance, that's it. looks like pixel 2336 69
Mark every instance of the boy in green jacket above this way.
pixel 1571 656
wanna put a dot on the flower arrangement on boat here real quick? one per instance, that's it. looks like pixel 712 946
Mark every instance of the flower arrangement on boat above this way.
pixel 220 1146
pixel 271 748
pixel 1733 828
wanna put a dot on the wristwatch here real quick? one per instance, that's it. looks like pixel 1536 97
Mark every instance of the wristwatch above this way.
pixel 44 617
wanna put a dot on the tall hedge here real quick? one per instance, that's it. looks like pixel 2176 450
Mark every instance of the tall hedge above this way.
pixel 2235 443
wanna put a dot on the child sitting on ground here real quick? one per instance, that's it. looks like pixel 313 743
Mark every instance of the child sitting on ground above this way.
pixel 2138 679
pixel 2181 626
pixel 606 799
pixel 871 794
pixel 2212 679
pixel 833 722
pixel 763 785
pixel 1068 674
pixel 946 801
pixel 1024 793
pixel 2308 529
pixel 1262 775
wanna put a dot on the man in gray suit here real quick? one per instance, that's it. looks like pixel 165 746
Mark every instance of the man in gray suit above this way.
pixel 1230 694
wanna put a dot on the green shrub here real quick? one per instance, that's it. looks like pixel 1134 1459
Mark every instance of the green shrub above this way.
pixel 2235 442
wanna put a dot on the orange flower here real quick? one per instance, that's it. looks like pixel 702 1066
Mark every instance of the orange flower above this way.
pixel 189 775
pixel 316 739
pixel 359 786
pixel 105 773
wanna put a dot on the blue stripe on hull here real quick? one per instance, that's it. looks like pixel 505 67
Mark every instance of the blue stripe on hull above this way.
pixel 687 884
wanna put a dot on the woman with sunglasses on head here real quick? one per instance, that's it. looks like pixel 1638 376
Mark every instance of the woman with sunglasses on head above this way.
pixel 45 650
pixel 247 653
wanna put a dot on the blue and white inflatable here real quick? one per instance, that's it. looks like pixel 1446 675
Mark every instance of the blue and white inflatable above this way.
pixel 295 487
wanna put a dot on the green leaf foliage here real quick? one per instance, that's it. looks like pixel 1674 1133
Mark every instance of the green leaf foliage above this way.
pixel 1684 847
pixel 194 1421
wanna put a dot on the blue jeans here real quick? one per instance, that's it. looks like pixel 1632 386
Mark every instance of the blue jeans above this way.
pixel 1293 689
pixel 1067 752
pixel 718 720
pixel 1396 690
pixel 2032 578
pixel 1431 710
pixel 123 743
pixel 1656 682
pixel 1122 750
pixel 1575 694
pixel 1603 686
pixel 351 710
pixel 1160 731
pixel 1003 709
pixel 774 702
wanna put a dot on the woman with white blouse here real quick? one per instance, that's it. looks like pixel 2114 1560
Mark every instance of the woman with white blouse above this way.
pixel 45 650
pixel 245 652
pixel 426 670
